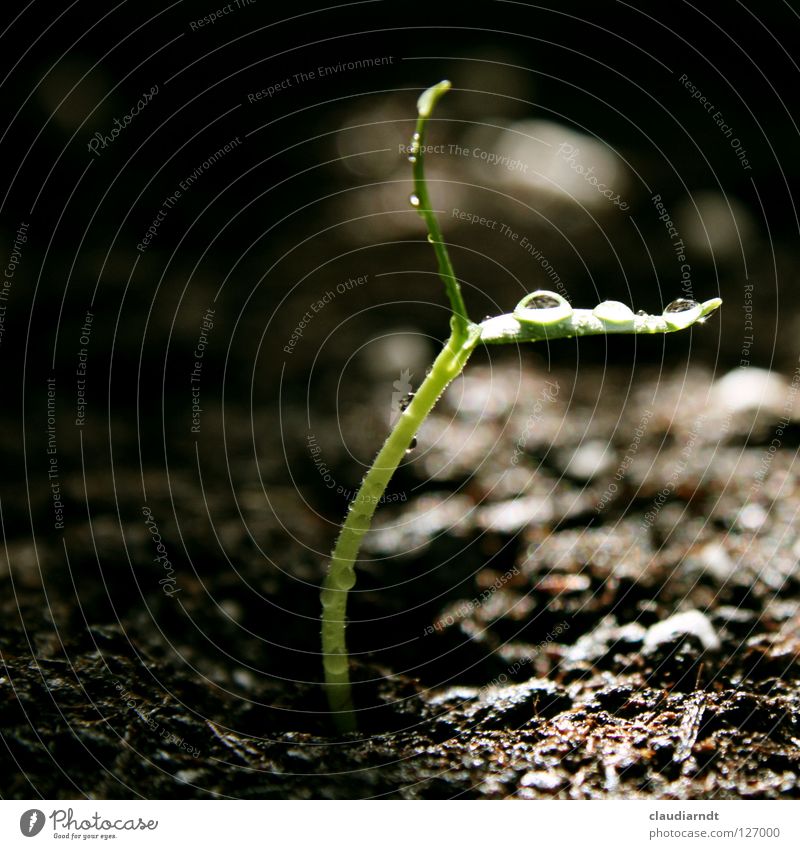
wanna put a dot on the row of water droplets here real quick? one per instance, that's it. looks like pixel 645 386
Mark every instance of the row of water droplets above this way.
pixel 403 407
pixel 413 198
pixel 412 158
pixel 607 310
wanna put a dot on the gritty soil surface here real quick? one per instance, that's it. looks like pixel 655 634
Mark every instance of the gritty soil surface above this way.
pixel 578 588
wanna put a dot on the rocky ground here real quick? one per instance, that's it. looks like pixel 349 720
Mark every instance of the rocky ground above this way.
pixel 580 588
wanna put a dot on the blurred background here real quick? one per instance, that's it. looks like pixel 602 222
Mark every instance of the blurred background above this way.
pixel 215 284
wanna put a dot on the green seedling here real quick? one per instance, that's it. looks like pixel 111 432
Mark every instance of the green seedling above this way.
pixel 541 315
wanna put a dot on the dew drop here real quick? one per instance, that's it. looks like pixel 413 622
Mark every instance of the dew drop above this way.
pixel 412 445
pixel 641 312
pixel 411 158
pixel 681 305
pixel 414 201
pixel 613 312
pixel 542 307
pixel 431 239
pixel 345 580
pixel 542 302
pixel 330 598
pixel 415 138
pixel 682 313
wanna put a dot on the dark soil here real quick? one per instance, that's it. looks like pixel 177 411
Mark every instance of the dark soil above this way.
pixel 509 628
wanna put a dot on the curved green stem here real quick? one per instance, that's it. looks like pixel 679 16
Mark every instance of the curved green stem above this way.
pixel 341 572
pixel 464 337
pixel 540 315
pixel 459 321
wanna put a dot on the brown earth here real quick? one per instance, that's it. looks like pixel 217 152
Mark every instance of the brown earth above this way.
pixel 509 629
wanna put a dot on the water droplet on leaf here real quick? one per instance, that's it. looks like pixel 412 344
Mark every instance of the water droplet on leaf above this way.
pixel 681 305
pixel 411 158
pixel 542 307
pixel 682 313
pixel 613 312
pixel 414 201
pixel 542 302
pixel 641 312
pixel 412 445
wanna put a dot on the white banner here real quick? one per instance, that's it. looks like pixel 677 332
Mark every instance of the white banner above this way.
pixel 380 824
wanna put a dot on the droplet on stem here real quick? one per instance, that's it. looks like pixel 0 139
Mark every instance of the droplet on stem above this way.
pixel 414 201
pixel 613 312
pixel 542 307
pixel 682 313
pixel 412 445
pixel 344 579
pixel 542 302
pixel 681 305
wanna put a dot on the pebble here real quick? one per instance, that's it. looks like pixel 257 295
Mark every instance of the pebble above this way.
pixel 188 776
pixel 597 643
pixel 751 517
pixel 244 678
pixel 510 707
pixel 691 623
pixel 514 514
pixel 542 780
pixel 715 560
pixel 714 225
pixel 737 620
pixel 232 609
pixel 411 530
pixel 589 460
pixel 751 389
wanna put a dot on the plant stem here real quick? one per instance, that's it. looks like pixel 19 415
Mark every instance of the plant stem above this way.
pixel 341 572
pixel 464 336
pixel 528 323
pixel 459 321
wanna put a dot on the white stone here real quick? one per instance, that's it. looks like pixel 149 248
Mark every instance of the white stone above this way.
pixel 751 389
pixel 690 622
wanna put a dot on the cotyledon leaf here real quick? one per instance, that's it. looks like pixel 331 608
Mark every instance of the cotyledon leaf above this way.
pixel 547 315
